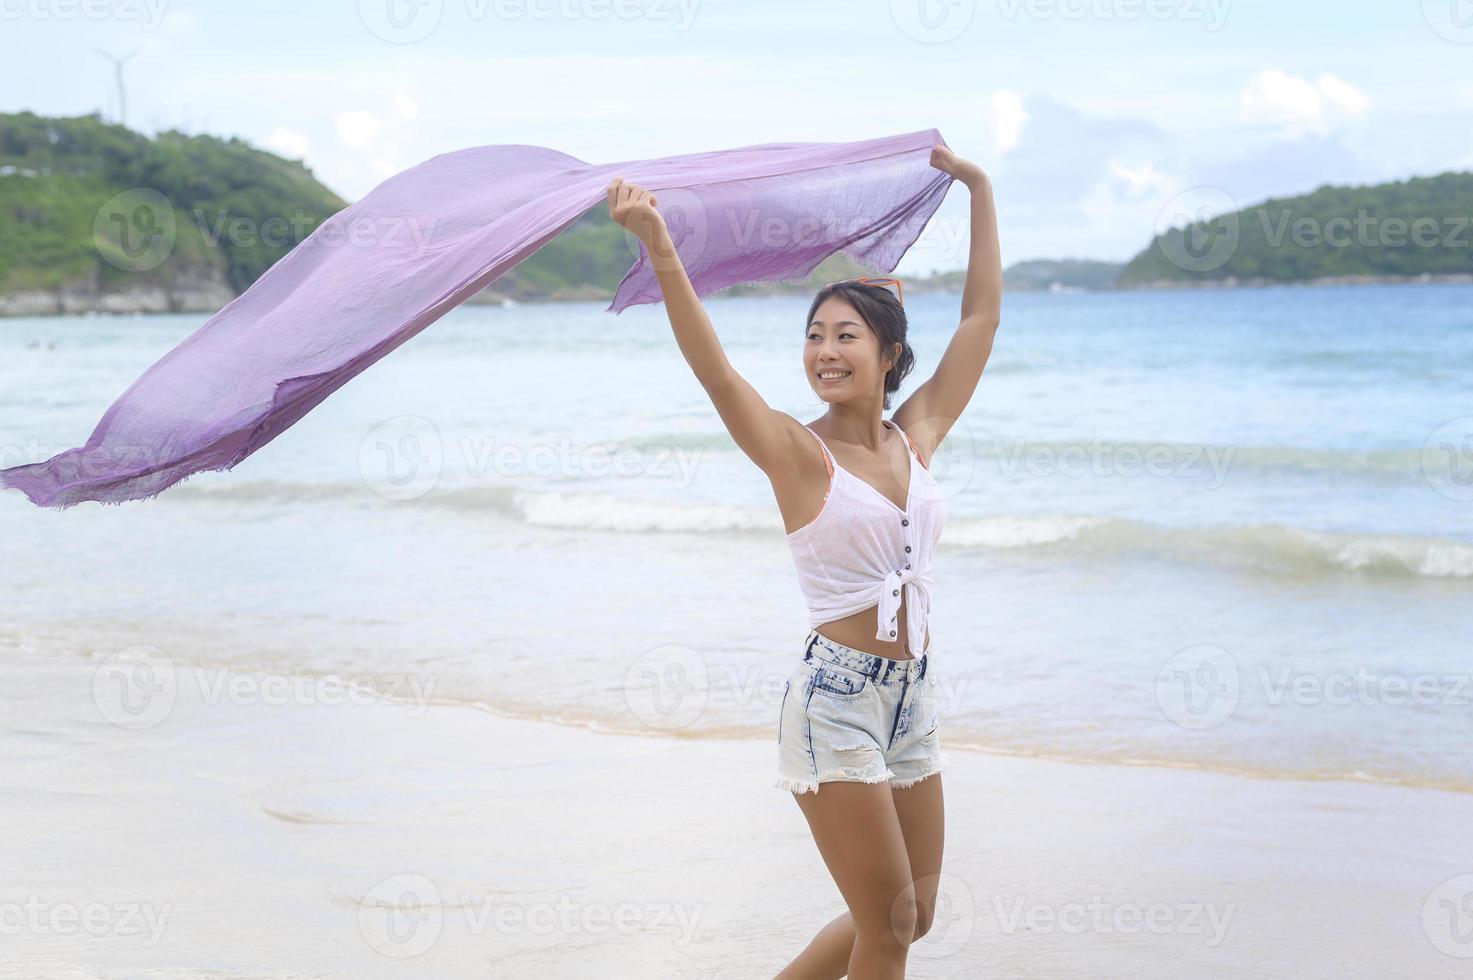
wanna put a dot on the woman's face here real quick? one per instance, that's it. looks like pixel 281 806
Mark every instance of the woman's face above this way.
pixel 841 354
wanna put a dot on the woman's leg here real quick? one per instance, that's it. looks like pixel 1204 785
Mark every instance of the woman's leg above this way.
pixel 859 836
pixel 826 957
pixel 922 821
pixel 921 812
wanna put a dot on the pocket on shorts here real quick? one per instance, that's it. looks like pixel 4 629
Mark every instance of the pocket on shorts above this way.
pixel 838 683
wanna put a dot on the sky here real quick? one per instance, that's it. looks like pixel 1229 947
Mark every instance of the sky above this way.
pixel 1098 121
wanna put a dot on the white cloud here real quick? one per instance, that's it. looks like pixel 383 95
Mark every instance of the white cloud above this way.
pixel 1273 96
pixel 1008 117
pixel 405 105
pixel 1143 179
pixel 1344 96
pixel 358 128
pixel 288 143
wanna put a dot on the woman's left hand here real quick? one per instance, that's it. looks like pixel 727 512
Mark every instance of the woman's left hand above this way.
pixel 963 170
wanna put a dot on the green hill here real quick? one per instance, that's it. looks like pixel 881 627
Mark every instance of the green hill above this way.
pixel 91 206
pixel 1412 228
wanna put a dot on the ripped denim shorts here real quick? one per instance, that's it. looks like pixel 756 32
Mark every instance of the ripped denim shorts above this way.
pixel 851 716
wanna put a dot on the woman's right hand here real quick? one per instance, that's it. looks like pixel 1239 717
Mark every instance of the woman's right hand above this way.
pixel 633 209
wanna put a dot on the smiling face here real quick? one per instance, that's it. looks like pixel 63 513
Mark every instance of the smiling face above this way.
pixel 842 354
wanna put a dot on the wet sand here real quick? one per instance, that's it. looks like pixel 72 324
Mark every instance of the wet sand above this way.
pixel 249 831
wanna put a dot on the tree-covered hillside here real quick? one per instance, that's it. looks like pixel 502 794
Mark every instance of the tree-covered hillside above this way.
pixel 1422 226
pixel 60 187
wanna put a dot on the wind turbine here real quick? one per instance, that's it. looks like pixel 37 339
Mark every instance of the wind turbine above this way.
pixel 118 75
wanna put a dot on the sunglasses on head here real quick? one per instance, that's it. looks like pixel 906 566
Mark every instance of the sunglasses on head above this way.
pixel 868 281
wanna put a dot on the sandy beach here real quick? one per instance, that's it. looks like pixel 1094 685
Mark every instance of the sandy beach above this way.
pixel 259 826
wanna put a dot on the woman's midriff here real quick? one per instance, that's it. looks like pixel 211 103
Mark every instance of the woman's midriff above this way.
pixel 858 631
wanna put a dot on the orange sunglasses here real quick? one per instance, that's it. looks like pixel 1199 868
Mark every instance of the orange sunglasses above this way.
pixel 868 281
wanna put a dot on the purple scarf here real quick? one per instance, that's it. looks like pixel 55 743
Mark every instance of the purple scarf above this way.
pixel 381 270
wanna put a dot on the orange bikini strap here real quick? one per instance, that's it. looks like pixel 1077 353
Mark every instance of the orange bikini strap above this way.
pixel 912 445
pixel 827 456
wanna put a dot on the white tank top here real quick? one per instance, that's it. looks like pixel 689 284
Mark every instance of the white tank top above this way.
pixel 861 550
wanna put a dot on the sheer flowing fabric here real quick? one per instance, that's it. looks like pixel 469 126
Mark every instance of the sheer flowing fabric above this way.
pixel 381 270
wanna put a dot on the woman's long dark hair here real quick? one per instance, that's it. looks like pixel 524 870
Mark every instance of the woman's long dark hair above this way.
pixel 879 308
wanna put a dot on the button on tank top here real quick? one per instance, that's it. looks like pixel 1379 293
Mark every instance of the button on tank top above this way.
pixel 862 550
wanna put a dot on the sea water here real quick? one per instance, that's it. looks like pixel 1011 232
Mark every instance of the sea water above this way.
pixel 1227 529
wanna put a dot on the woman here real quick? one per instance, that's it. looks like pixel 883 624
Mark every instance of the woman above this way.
pixel 857 736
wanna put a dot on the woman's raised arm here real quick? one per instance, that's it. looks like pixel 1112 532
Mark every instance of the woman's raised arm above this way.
pixel 929 413
pixel 767 436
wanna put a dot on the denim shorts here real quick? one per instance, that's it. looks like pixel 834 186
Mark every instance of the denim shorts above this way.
pixel 851 716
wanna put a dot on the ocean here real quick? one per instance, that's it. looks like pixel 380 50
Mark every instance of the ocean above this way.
pixel 1215 529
